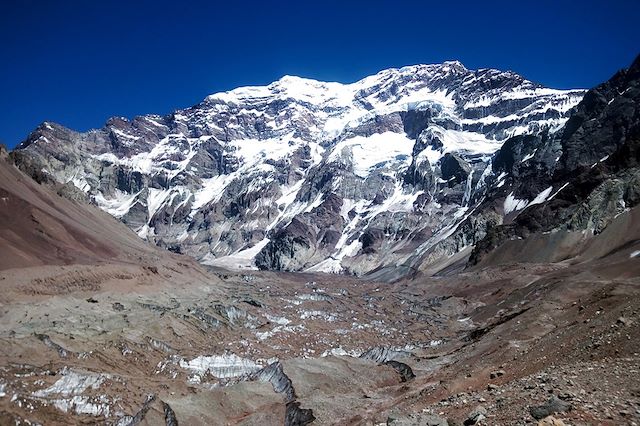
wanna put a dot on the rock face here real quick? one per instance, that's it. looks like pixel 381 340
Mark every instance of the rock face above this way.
pixel 382 173
pixel 578 179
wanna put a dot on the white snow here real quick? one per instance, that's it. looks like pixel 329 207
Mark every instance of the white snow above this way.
pixel 318 315
pixel 330 266
pixel 375 151
pixel 541 197
pixel 460 142
pixel 265 335
pixel 529 156
pixel 558 191
pixel 220 366
pixel 278 320
pixel 244 259
pixel 339 351
pixel 254 151
pixel 512 204
pixel 117 206
pixel 155 199
pixel 72 383
pixel 211 190
pixel 84 405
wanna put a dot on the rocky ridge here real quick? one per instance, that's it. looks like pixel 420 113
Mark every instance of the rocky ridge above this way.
pixel 306 175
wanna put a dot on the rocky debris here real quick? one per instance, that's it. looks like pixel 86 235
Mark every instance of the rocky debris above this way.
pixel 62 352
pixel 416 419
pixel 624 321
pixel 551 421
pixel 156 308
pixel 160 345
pixel 296 416
pixel 71 192
pixel 117 306
pixel 381 354
pixel 522 318
pixel 169 415
pixel 275 375
pixel 140 415
pixel 552 406
pixel 496 374
pixel 406 373
pixel 253 303
pixel 476 416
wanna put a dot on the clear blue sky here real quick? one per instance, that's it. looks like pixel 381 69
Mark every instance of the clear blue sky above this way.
pixel 80 62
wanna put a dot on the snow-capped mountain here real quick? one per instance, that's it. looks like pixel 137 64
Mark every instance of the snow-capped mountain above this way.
pixel 308 175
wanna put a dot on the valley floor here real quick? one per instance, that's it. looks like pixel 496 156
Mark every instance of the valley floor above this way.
pixel 167 343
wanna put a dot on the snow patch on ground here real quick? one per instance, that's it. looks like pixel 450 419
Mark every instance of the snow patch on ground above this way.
pixel 376 151
pixel 339 351
pixel 72 383
pixel 244 259
pixel 117 206
pixel 318 315
pixel 84 405
pixel 513 204
pixel 220 366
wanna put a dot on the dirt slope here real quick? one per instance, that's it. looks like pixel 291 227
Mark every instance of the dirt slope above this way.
pixel 38 227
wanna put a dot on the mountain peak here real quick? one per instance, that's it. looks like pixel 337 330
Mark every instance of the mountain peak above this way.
pixel 455 64
pixel 326 164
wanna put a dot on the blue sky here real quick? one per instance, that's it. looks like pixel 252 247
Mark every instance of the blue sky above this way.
pixel 80 62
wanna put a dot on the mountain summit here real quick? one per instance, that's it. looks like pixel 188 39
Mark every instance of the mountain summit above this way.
pixel 304 175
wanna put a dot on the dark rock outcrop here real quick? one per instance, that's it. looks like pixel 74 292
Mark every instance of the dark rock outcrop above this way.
pixel 274 374
pixel 169 415
pixel 593 180
pixel 454 169
pixel 552 406
pixel 405 372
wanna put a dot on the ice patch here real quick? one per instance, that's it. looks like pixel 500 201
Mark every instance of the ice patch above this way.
pixel 264 335
pixel 375 151
pixel 84 405
pixel 220 366
pixel 244 259
pixel 330 266
pixel 529 156
pixel 277 320
pixel 117 206
pixel 541 197
pixel 339 351
pixel 72 383
pixel 512 204
pixel 318 315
